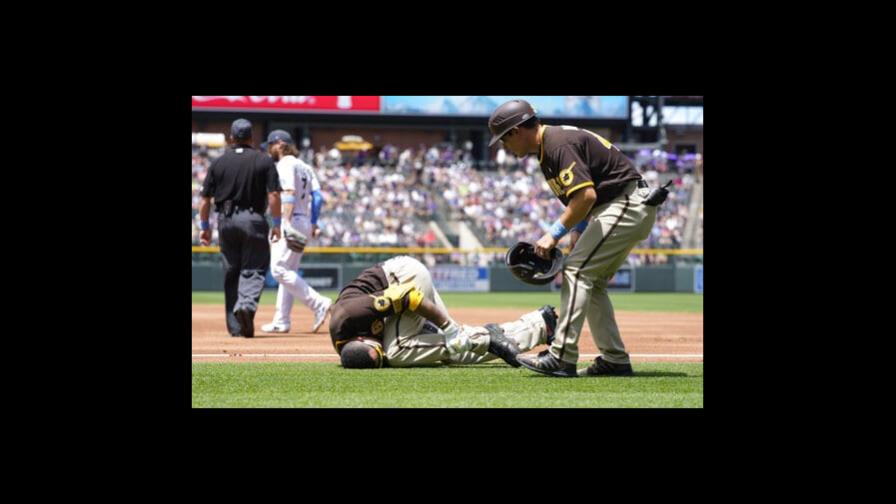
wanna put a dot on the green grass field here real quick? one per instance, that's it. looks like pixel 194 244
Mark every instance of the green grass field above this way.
pixel 640 301
pixel 493 385
pixel 327 385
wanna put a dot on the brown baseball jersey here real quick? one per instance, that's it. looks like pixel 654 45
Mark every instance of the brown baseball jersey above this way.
pixel 364 304
pixel 573 158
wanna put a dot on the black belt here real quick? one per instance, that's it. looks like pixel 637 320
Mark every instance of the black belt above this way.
pixel 642 183
pixel 228 208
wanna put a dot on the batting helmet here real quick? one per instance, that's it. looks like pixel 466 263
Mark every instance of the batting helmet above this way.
pixel 530 268
pixel 509 115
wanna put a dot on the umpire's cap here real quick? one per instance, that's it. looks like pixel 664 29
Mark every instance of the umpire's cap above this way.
pixel 507 116
pixel 528 267
pixel 241 129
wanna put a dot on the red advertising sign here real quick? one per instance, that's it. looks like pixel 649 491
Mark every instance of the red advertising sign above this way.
pixel 289 103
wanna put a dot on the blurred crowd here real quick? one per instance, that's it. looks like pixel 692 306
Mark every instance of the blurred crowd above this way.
pixel 202 158
pixel 502 207
pixel 389 197
pixel 374 206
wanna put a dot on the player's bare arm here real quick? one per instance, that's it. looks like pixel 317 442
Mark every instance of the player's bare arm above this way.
pixel 205 236
pixel 579 205
pixel 433 313
pixel 289 198
pixel 274 204
pixel 574 238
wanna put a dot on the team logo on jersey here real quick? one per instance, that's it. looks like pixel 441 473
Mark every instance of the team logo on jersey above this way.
pixel 380 303
pixel 376 327
pixel 566 175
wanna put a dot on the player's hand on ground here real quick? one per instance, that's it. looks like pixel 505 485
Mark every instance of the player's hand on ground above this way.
pixel 205 237
pixel 544 245
pixel 275 234
pixel 315 231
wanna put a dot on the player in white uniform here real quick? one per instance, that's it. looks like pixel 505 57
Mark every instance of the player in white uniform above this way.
pixel 301 202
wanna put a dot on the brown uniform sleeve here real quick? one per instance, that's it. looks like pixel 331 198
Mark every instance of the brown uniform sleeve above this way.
pixel 353 317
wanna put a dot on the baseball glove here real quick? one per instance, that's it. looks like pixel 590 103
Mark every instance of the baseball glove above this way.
pixel 295 240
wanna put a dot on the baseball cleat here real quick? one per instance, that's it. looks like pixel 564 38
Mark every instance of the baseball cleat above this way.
pixel 501 345
pixel 549 314
pixel 546 363
pixel 245 316
pixel 321 314
pixel 604 368
pixel 275 328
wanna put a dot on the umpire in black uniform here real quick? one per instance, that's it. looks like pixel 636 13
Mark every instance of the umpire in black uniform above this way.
pixel 238 181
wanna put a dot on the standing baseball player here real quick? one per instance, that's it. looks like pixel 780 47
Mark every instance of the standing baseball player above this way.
pixel 605 208
pixel 392 314
pixel 301 200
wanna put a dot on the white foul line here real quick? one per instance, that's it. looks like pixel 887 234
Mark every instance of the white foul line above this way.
pixel 333 355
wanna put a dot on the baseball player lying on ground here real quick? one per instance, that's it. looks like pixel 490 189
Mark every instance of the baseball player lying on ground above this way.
pixel 392 315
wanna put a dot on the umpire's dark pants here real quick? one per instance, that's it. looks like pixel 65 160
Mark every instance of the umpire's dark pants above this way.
pixel 247 255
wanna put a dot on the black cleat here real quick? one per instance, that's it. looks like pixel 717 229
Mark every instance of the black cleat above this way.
pixel 545 363
pixel 604 368
pixel 549 314
pixel 501 345
pixel 245 317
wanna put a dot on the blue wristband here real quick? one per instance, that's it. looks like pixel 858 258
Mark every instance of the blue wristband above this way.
pixel 203 225
pixel 289 198
pixel 580 227
pixel 276 221
pixel 558 230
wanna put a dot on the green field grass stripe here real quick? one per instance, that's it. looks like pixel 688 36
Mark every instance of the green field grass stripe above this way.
pixel 327 385
pixel 639 301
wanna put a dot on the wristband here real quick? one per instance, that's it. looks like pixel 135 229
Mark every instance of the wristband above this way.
pixel 203 225
pixel 558 230
pixel 289 198
pixel 276 221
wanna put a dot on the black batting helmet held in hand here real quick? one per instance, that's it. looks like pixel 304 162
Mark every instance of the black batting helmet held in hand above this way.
pixel 530 268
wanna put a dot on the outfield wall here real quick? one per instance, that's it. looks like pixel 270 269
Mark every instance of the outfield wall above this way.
pixel 331 276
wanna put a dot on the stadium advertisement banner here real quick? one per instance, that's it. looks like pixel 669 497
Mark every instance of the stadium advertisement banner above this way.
pixel 623 280
pixel 595 107
pixel 698 279
pixel 289 103
pixel 460 278
pixel 319 276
